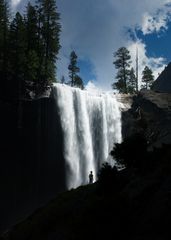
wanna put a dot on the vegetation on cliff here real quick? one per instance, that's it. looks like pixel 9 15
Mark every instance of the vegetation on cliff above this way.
pixel 29 45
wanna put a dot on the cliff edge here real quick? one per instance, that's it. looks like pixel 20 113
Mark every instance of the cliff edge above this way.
pixel 163 82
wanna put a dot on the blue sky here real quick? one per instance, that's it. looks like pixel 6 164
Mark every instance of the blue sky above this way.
pixel 158 45
pixel 95 29
pixel 86 70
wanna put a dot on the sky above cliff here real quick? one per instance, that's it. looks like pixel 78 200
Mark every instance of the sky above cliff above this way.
pixel 95 29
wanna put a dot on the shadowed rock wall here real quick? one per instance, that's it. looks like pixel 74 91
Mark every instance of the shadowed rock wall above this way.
pixel 32 163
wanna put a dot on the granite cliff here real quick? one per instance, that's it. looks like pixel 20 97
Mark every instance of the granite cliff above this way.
pixel 150 112
pixel 163 82
pixel 140 205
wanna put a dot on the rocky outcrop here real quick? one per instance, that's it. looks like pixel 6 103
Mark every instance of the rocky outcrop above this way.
pixel 125 101
pixel 163 82
pixel 150 115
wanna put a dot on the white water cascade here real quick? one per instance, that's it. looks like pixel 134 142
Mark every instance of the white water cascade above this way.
pixel 91 124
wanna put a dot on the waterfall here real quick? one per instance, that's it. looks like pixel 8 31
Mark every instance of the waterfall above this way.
pixel 91 124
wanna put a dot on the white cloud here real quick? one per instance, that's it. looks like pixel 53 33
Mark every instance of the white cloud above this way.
pixel 156 64
pixel 156 23
pixel 15 2
pixel 97 28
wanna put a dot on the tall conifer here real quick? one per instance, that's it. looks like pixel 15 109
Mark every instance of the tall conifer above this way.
pixel 147 77
pixel 17 46
pixel 122 63
pixel 49 37
pixel 32 48
pixel 132 82
pixel 73 68
pixel 4 35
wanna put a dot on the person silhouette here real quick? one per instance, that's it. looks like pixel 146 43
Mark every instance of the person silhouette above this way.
pixel 91 178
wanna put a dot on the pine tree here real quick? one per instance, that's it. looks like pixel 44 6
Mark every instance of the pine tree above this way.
pixel 29 46
pixel 78 82
pixel 32 48
pixel 147 77
pixel 40 47
pixel 4 32
pixel 122 63
pixel 49 33
pixel 132 82
pixel 17 46
pixel 31 21
pixel 62 79
pixel 73 68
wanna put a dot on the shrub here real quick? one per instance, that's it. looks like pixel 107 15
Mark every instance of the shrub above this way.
pixel 131 152
pixel 107 177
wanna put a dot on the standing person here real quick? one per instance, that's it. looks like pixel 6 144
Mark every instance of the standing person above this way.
pixel 91 178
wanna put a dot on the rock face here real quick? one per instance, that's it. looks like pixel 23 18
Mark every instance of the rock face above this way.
pixel 150 115
pixel 32 164
pixel 150 112
pixel 163 82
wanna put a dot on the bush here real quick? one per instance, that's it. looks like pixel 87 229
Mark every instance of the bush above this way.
pixel 107 177
pixel 132 152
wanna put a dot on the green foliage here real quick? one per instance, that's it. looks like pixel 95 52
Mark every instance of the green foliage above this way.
pixel 131 152
pixel 32 66
pixel 122 63
pixel 78 82
pixel 29 46
pixel 73 70
pixel 107 177
pixel 132 82
pixel 147 77
pixel 32 47
pixel 49 36
pixel 4 36
pixel 17 46
pixel 63 80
